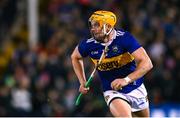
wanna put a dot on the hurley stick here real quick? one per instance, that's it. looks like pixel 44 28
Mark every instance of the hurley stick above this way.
pixel 103 55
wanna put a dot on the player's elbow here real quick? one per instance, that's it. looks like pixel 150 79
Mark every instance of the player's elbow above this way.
pixel 73 57
pixel 149 65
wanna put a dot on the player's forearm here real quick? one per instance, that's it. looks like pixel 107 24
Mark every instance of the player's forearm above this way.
pixel 142 68
pixel 79 69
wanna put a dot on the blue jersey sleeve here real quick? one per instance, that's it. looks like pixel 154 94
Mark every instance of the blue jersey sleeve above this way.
pixel 130 43
pixel 82 47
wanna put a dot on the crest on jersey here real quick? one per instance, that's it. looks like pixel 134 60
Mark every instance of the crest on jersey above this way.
pixel 115 48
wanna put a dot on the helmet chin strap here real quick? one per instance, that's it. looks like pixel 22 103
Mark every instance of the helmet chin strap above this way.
pixel 106 33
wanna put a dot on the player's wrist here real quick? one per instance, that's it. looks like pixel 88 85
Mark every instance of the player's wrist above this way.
pixel 82 83
pixel 127 79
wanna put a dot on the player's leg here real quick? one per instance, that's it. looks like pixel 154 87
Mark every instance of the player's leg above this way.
pixel 120 108
pixel 118 103
pixel 142 113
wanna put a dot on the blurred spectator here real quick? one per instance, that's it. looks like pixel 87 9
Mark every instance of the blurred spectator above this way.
pixel 21 96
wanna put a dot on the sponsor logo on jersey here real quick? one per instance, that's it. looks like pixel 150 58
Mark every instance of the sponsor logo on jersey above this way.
pixel 114 62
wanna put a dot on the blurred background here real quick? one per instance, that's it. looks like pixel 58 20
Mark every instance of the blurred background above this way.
pixel 37 38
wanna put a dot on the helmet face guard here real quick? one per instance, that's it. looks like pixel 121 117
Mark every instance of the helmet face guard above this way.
pixel 94 23
pixel 100 19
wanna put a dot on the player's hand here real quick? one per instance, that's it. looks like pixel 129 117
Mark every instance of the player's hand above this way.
pixel 83 89
pixel 117 84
